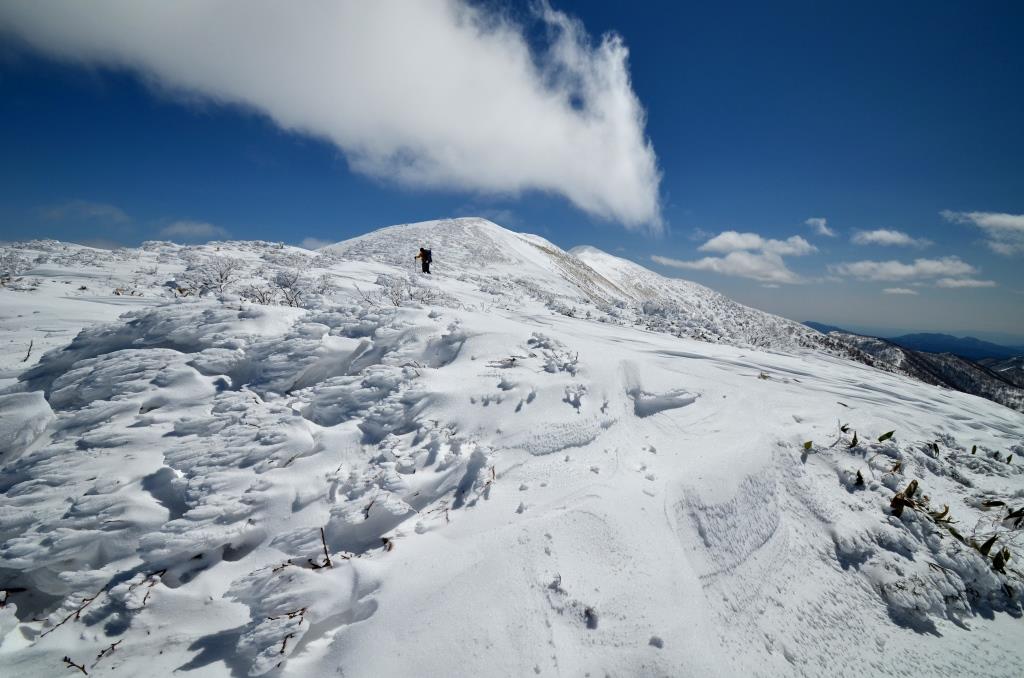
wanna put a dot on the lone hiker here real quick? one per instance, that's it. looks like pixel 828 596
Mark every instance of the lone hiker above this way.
pixel 425 259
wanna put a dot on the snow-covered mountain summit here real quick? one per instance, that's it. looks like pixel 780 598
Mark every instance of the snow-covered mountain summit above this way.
pixel 248 459
pixel 464 244
pixel 584 280
pixel 480 250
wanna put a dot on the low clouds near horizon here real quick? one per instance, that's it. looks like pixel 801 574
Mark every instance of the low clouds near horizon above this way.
pixel 733 241
pixel 747 255
pixel 436 94
pixel 86 209
pixel 948 272
pixel 886 236
pixel 311 243
pixel 1004 232
pixel 187 231
pixel 897 270
pixel 753 256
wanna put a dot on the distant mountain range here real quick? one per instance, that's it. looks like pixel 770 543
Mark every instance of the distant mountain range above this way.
pixel 931 342
pixel 962 363
pixel 965 347
pixel 825 329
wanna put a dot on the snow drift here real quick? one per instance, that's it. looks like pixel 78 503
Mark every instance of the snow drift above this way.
pixel 531 462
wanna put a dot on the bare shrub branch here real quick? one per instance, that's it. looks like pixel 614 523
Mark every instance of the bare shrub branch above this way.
pixel 212 274
pixel 292 285
pixel 70 664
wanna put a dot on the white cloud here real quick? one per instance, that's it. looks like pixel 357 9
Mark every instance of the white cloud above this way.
pixel 733 241
pixel 792 246
pixel 435 93
pixel 314 243
pixel 964 282
pixel 820 226
pixel 899 290
pixel 885 236
pixel 84 209
pixel 193 231
pixel 747 255
pixel 1005 231
pixel 765 267
pixel 897 270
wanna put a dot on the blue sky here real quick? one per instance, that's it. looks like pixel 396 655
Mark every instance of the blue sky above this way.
pixel 896 123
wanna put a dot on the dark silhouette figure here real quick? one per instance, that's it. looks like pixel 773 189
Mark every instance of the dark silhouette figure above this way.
pixel 425 259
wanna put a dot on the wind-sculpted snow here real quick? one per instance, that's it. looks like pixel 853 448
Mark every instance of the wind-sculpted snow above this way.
pixel 464 474
pixel 23 419
pixel 181 459
pixel 288 604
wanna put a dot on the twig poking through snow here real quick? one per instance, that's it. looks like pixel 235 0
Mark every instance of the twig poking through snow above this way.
pixel 71 664
pixel 76 614
pixel 106 652
pixel 327 556
pixel 29 354
pixel 300 613
pixel 284 643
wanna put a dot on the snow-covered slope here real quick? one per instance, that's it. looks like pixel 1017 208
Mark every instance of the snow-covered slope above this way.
pixel 55 289
pixel 481 251
pixel 583 281
pixel 689 309
pixel 462 474
pixel 942 369
pixel 1011 369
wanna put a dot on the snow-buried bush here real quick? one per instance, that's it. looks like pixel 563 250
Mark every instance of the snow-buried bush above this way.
pixel 927 559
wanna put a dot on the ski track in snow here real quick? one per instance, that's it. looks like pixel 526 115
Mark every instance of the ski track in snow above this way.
pixel 500 474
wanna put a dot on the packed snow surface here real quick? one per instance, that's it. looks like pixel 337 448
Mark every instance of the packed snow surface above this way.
pixel 531 462
pixel 943 369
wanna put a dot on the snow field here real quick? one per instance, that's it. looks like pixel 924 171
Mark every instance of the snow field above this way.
pixel 472 482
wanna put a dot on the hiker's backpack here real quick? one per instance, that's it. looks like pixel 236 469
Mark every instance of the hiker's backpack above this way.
pixel 426 256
